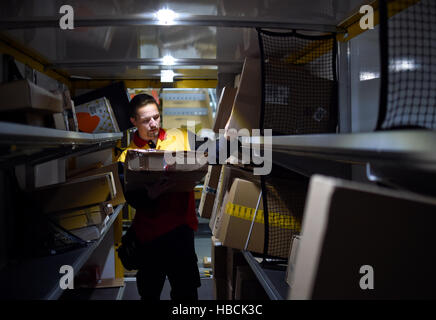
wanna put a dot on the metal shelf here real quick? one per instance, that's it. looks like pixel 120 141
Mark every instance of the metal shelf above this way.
pixel 273 281
pixel 23 143
pixel 39 278
pixel 15 134
pixel 408 148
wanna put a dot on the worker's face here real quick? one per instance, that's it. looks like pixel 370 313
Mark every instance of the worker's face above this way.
pixel 147 120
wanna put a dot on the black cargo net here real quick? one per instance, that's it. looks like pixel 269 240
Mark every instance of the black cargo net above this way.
pixel 283 203
pixel 408 46
pixel 298 82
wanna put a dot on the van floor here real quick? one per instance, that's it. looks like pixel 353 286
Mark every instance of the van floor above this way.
pixel 129 291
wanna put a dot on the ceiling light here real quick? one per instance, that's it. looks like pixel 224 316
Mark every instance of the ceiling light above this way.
pixel 166 76
pixel 168 60
pixel 365 76
pixel 403 65
pixel 166 16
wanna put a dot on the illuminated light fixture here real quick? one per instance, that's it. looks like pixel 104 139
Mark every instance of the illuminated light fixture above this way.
pixel 165 16
pixel 168 60
pixel 166 76
pixel 403 65
pixel 365 76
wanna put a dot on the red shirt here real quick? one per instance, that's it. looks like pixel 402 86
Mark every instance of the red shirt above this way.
pixel 166 212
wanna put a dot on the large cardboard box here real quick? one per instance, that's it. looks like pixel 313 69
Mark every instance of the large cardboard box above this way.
pixel 248 101
pixel 25 95
pixel 81 192
pixel 225 106
pixel 237 212
pixel 209 191
pixel 361 241
pixel 96 116
pixel 227 174
pixel 147 167
pixel 113 168
pixel 80 218
pixel 236 217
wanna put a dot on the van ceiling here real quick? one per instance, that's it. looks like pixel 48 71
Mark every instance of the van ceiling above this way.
pixel 120 39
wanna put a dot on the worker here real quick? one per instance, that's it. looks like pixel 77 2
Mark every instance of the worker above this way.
pixel 164 222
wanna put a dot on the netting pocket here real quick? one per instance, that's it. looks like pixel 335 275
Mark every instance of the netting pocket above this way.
pixel 408 62
pixel 283 204
pixel 299 83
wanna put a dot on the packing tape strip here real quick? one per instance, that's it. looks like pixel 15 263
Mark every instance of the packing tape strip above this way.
pixel 275 219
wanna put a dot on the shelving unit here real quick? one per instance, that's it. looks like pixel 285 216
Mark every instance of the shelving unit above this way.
pixel 39 278
pixel 24 143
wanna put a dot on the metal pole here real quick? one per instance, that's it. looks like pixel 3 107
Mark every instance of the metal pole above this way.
pixel 252 222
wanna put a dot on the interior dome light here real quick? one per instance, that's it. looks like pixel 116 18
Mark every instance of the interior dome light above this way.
pixel 166 16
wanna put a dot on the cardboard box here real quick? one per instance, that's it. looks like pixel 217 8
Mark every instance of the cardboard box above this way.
pixel 117 95
pixel 234 220
pixel 90 233
pixel 227 174
pixel 81 192
pixel 93 215
pixel 96 116
pixel 113 168
pixel 209 191
pixel 147 167
pixel 225 106
pixel 292 260
pixel 247 286
pixel 248 100
pixel 219 259
pixel 357 234
pixel 207 262
pixel 236 216
pixel 25 95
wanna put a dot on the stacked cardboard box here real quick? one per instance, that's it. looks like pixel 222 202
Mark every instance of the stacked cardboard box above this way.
pixel 209 191
pixel 24 102
pixel 87 223
pixel 96 116
pixel 212 178
pixel 234 213
pixel 83 204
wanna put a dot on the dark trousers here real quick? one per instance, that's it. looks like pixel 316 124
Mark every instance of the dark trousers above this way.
pixel 171 255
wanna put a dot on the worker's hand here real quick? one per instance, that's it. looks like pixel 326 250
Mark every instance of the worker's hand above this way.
pixel 160 187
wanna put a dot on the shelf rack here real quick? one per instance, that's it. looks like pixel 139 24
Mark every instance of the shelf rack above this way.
pixel 39 278
pixel 33 145
pixel 407 152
